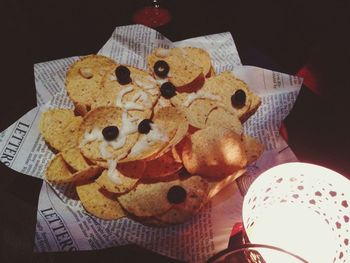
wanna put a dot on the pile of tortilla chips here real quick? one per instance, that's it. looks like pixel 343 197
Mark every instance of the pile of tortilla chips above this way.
pixel 137 145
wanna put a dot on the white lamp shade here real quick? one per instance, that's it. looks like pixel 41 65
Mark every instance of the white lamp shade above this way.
pixel 302 208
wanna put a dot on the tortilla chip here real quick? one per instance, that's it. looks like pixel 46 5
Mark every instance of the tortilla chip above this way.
pixel 98 119
pixel 59 128
pixel 182 129
pixel 98 202
pixel 87 173
pixel 225 85
pixel 111 90
pixel 162 166
pixel 197 190
pixel 184 74
pixel 75 159
pixel 253 148
pixel 148 199
pixel 197 112
pixel 149 221
pixel 129 174
pixel 220 117
pixel 166 120
pixel 214 152
pixel 217 185
pixel 84 79
pixel 59 171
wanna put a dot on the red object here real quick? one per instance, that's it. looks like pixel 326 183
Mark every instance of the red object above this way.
pixel 238 227
pixel 152 16
pixel 284 131
pixel 309 79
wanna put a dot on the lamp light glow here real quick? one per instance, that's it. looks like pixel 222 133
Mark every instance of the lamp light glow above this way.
pixel 301 208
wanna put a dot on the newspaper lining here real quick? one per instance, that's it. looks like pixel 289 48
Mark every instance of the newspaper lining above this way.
pixel 63 224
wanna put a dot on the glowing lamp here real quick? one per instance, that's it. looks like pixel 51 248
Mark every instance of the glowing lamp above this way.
pixel 301 208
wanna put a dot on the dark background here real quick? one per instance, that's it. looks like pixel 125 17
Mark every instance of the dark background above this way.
pixel 280 35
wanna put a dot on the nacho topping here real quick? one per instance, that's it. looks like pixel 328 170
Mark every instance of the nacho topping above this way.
pixel 148 83
pixel 238 99
pixel 161 68
pixel 156 134
pixel 104 151
pixel 133 104
pixel 113 173
pixel 121 94
pixel 162 102
pixel 167 90
pixel 144 126
pixel 123 75
pixel 162 81
pixel 86 72
pixel 110 133
pixel 176 194
pixel 143 97
pixel 199 95
pixel 93 135
pixel 162 52
pixel 128 127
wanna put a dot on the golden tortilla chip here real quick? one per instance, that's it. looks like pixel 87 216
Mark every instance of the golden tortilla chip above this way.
pixel 128 175
pixel 59 171
pixel 93 124
pixel 165 123
pixel 59 128
pixel 178 148
pixel 98 202
pixel 84 79
pixel 148 199
pixel 214 152
pixel 197 190
pixel 225 85
pixel 197 112
pixel 87 173
pixel 220 117
pixel 199 57
pixel 253 148
pixel 174 215
pixel 184 73
pixel 215 186
pixel 75 159
pixel 182 129
pixel 163 166
pixel 136 99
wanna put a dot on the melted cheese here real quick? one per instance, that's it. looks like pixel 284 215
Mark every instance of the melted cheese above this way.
pixel 143 97
pixel 161 81
pixel 162 52
pixel 130 105
pixel 121 94
pixel 144 85
pixel 104 150
pixel 156 134
pixel 199 95
pixel 113 173
pixel 112 77
pixel 128 127
pixel 148 83
pixel 95 134
pixel 133 104
pixel 162 102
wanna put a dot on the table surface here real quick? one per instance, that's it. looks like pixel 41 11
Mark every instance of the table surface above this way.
pixel 283 36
